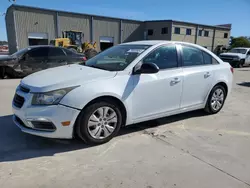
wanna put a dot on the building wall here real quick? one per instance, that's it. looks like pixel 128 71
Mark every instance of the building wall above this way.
pixel 201 40
pixel 68 22
pixel 182 36
pixel 219 37
pixel 28 19
pixel 206 41
pixel 106 28
pixel 157 27
pixel 33 21
pixel 11 33
pixel 132 31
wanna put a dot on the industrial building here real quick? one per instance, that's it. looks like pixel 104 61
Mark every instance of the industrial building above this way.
pixel 31 26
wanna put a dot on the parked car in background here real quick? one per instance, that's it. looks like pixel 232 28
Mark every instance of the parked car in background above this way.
pixel 125 84
pixel 36 58
pixel 237 57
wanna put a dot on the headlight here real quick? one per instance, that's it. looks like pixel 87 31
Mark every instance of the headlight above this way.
pixel 50 98
pixel 236 58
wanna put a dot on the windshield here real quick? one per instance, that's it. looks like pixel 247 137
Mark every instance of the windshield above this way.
pixel 116 58
pixel 241 51
pixel 20 52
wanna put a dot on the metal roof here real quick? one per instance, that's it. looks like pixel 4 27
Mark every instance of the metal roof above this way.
pixel 222 26
pixel 225 26
pixel 68 12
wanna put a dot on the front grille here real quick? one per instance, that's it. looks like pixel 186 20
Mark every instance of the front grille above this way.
pixel 18 101
pixel 24 89
pixel 41 125
pixel 227 58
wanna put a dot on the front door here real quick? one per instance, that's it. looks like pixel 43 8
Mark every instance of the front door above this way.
pixel 198 76
pixel 34 60
pixel 156 94
pixel 247 60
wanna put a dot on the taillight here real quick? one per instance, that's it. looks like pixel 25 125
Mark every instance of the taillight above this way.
pixel 232 69
pixel 84 59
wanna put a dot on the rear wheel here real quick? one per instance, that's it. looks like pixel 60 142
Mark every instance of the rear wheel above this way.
pixel 99 122
pixel 216 99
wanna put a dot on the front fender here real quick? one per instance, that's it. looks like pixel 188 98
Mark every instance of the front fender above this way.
pixel 120 87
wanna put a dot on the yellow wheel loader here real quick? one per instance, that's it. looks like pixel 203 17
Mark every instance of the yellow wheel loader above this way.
pixel 73 41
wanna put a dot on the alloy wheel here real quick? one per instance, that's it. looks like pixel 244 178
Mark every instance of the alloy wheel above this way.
pixel 102 122
pixel 217 99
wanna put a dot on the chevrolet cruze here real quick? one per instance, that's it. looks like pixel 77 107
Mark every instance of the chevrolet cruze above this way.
pixel 125 84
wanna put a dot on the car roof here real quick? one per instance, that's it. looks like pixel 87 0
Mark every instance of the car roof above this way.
pixel 158 42
pixel 241 48
pixel 42 46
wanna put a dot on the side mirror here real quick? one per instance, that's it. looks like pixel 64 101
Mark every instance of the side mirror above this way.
pixel 147 68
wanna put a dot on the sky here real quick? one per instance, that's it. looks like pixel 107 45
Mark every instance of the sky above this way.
pixel 210 12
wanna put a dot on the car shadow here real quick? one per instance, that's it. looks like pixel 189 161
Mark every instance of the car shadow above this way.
pixel 244 70
pixel 16 145
pixel 246 84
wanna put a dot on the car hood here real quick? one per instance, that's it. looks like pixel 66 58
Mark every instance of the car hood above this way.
pixel 64 76
pixel 232 54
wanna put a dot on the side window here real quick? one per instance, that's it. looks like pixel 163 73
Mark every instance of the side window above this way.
pixel 56 52
pixel 38 53
pixel 69 52
pixel 200 32
pixel 164 57
pixel 208 59
pixel 206 33
pixel 191 56
pixel 188 31
pixel 150 32
pixel 177 30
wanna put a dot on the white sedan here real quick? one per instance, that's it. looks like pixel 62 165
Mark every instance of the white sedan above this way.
pixel 125 84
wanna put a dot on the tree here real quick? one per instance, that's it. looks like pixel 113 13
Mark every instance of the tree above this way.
pixel 239 42
pixel 3 42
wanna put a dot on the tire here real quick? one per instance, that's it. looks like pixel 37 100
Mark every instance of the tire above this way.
pixel 211 108
pixel 2 73
pixel 89 134
pixel 242 62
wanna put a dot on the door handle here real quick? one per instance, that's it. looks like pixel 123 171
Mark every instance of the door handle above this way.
pixel 207 74
pixel 175 81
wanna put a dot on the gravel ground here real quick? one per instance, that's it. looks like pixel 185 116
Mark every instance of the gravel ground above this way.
pixel 190 150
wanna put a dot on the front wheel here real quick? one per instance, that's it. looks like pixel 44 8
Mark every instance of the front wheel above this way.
pixel 216 100
pixel 2 73
pixel 241 63
pixel 99 122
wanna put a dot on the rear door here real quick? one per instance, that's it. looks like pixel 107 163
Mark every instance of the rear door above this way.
pixel 198 75
pixel 73 57
pixel 57 57
pixel 34 60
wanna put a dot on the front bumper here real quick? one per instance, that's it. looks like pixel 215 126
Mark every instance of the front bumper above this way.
pixel 233 63
pixel 52 115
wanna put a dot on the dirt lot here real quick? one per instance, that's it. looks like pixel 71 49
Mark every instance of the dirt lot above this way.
pixel 190 150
